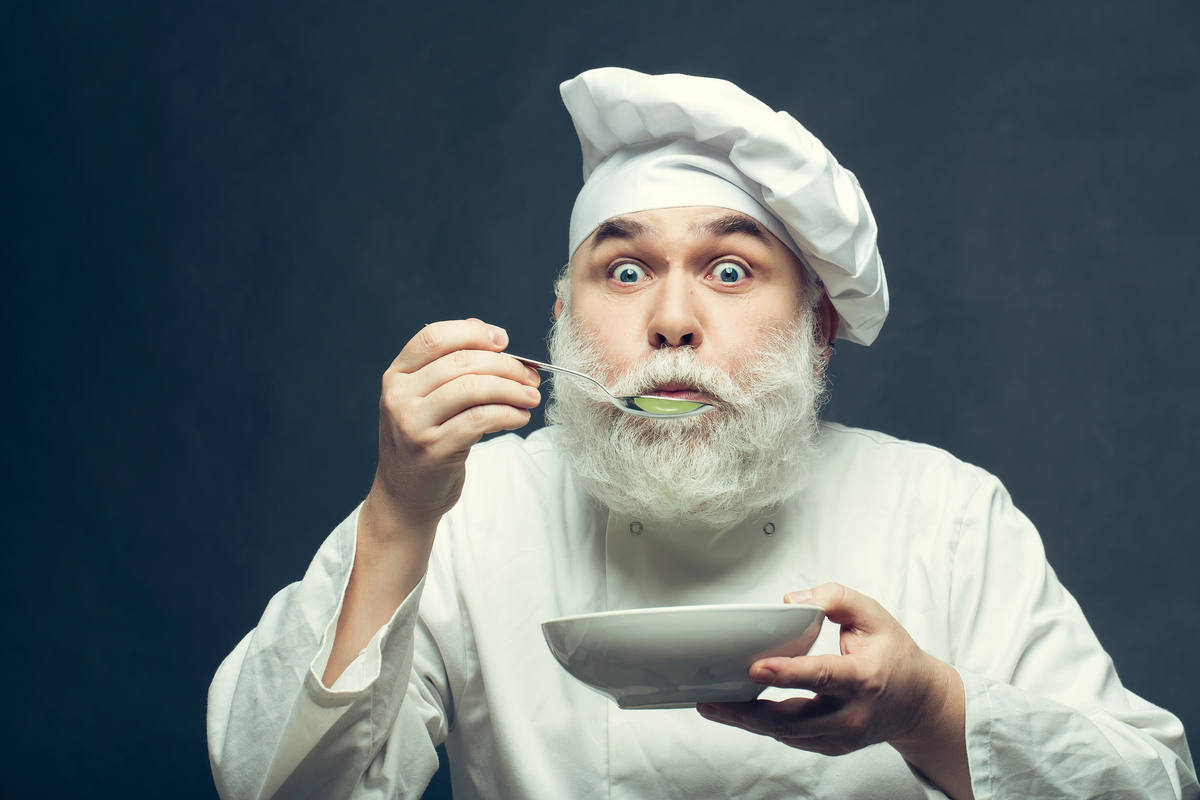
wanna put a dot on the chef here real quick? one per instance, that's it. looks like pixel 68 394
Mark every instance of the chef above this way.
pixel 717 253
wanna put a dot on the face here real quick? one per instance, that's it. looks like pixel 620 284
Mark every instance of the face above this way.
pixel 696 303
pixel 708 278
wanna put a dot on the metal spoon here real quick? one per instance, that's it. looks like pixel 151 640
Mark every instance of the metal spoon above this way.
pixel 638 405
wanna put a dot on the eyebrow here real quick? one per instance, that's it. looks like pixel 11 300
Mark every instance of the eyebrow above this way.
pixel 730 224
pixel 618 228
pixel 724 225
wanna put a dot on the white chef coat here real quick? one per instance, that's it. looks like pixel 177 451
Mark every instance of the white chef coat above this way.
pixel 937 542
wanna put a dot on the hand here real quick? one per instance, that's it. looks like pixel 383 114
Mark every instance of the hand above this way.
pixel 448 387
pixel 882 688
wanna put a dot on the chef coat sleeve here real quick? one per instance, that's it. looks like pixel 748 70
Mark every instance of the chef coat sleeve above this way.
pixel 276 731
pixel 1046 714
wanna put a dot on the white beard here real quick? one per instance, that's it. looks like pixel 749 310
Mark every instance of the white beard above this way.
pixel 753 452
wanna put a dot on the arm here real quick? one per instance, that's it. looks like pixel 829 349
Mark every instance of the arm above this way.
pixel 882 688
pixel 446 389
pixel 1044 705
pixel 1031 707
pixel 305 705
pixel 271 721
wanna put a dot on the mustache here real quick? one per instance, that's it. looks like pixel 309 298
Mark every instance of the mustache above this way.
pixel 678 365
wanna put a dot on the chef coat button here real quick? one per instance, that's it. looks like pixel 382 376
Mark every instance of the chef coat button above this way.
pixel 769 529
pixel 635 528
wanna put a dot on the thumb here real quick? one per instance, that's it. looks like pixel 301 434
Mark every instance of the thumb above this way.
pixel 843 605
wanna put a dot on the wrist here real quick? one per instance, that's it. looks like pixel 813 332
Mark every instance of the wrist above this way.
pixel 941 717
pixel 937 744
pixel 391 554
pixel 384 520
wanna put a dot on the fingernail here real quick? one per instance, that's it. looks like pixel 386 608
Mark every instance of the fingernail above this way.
pixel 802 596
pixel 709 710
pixel 533 393
pixel 533 375
pixel 763 675
pixel 499 336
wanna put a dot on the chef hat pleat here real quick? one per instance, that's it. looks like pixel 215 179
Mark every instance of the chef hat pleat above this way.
pixel 662 141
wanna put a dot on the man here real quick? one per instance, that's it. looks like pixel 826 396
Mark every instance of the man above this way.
pixel 717 251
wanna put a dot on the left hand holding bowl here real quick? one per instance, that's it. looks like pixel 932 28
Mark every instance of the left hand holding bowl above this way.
pixel 882 688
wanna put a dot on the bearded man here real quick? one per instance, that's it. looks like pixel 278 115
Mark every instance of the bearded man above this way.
pixel 717 250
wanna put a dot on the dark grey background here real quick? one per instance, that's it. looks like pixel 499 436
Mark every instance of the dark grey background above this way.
pixel 222 220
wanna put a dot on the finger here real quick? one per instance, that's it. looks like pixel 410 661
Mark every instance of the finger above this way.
pixel 465 429
pixel 439 338
pixel 845 606
pixel 452 398
pixel 794 718
pixel 824 674
pixel 819 745
pixel 470 362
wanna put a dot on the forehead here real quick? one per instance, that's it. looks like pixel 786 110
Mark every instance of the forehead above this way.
pixel 693 222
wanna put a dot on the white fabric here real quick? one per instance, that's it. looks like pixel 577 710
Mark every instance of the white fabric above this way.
pixel 463 660
pixel 662 141
pixel 669 174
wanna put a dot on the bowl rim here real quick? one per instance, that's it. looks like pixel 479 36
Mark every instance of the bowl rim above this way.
pixel 669 610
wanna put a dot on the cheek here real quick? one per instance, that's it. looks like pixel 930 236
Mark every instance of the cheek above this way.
pixel 618 348
pixel 618 338
pixel 783 304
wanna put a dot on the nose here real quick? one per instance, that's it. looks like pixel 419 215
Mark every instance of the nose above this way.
pixel 674 321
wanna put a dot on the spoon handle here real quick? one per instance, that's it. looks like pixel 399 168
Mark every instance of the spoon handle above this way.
pixel 630 405
pixel 563 370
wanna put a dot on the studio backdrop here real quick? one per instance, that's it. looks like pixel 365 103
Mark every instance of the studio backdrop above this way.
pixel 222 221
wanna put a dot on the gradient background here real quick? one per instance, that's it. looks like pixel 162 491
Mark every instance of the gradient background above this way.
pixel 222 220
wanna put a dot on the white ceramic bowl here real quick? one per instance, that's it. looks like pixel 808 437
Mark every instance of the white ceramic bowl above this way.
pixel 680 656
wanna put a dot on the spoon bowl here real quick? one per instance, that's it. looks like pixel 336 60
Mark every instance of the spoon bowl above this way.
pixel 640 405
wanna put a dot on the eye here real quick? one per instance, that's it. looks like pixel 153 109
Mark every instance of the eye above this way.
pixel 728 272
pixel 629 273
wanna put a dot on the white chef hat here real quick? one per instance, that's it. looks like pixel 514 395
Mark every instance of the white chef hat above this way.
pixel 662 141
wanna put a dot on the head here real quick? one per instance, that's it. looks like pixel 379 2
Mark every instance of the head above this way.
pixel 717 250
pixel 698 302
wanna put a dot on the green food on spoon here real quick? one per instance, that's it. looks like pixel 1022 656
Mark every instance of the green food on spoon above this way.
pixel 661 405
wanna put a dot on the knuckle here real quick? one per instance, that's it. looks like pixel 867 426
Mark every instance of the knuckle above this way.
pixel 386 403
pixel 823 677
pixel 405 420
pixel 477 416
pixel 782 729
pixel 471 385
pixel 872 684
pixel 857 724
pixel 429 340
pixel 423 442
pixel 391 402
pixel 464 359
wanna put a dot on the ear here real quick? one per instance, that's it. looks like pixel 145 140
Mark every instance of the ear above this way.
pixel 830 320
pixel 558 307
